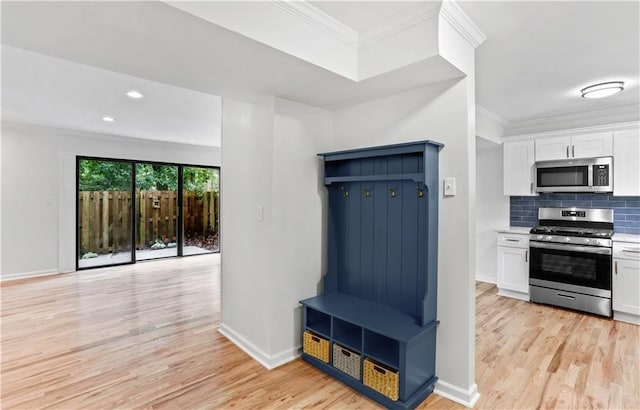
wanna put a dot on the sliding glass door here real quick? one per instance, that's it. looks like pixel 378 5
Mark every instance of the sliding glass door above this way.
pixel 104 212
pixel 129 211
pixel 200 209
pixel 156 211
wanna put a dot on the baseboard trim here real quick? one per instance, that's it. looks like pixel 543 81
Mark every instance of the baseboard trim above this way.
pixel 467 398
pixel 28 275
pixel 486 279
pixel 513 294
pixel 626 317
pixel 268 361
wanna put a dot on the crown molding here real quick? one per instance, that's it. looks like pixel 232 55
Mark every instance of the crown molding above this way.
pixel 459 20
pixel 320 20
pixel 619 126
pixel 594 119
pixel 491 115
pixel 409 18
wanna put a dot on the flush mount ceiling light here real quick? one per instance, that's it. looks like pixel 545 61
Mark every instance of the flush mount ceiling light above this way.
pixel 106 118
pixel 602 89
pixel 135 94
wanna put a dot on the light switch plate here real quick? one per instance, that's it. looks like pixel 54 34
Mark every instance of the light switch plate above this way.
pixel 260 213
pixel 449 186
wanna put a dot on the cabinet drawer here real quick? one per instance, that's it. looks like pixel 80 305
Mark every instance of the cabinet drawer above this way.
pixel 626 250
pixel 513 240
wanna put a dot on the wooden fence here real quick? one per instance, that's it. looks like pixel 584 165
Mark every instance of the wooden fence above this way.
pixel 104 218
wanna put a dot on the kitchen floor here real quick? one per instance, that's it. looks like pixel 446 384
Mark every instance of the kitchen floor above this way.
pixel 146 336
pixel 536 356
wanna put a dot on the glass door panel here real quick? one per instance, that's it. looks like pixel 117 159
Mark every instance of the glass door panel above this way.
pixel 104 212
pixel 201 210
pixel 156 211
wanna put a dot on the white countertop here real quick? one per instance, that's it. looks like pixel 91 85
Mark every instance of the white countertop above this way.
pixel 626 237
pixel 514 229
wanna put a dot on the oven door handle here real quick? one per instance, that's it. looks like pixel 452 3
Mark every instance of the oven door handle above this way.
pixel 574 248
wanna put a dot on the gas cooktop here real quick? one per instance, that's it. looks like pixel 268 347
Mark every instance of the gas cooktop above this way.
pixel 572 231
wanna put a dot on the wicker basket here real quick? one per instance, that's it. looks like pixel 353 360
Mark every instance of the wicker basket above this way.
pixel 346 360
pixel 316 346
pixel 381 379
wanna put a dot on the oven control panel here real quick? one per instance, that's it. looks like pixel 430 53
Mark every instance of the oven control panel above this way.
pixel 579 214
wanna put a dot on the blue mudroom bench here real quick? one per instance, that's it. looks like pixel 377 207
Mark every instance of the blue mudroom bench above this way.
pixel 380 290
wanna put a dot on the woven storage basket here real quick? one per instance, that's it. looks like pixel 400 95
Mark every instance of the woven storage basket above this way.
pixel 381 378
pixel 316 346
pixel 346 360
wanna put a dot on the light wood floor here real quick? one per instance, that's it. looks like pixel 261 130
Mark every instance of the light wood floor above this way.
pixel 145 336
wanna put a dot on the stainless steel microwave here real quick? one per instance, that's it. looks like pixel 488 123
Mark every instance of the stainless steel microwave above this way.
pixel 575 175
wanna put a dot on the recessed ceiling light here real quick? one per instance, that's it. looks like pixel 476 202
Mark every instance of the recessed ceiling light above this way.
pixel 106 118
pixel 135 94
pixel 602 89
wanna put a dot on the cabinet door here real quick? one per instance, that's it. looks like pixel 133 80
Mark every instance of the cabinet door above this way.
pixel 553 148
pixel 518 168
pixel 592 145
pixel 513 269
pixel 626 286
pixel 626 166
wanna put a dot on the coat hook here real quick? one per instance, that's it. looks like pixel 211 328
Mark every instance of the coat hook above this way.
pixel 367 193
pixel 392 192
pixel 345 193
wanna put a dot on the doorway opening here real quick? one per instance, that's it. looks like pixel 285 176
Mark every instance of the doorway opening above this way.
pixel 127 211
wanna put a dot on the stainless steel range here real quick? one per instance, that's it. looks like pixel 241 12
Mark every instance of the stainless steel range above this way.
pixel 570 264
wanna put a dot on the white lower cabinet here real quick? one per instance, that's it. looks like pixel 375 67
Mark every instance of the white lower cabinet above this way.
pixel 513 265
pixel 625 287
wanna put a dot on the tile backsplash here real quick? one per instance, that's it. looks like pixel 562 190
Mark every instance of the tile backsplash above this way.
pixel 626 209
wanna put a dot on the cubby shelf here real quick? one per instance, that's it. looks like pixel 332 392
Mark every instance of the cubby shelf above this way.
pixel 379 294
pixel 319 322
pixel 347 334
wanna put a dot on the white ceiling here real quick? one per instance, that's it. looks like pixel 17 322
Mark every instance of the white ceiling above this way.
pixel 363 15
pixel 57 93
pixel 538 55
pixel 536 58
pixel 155 41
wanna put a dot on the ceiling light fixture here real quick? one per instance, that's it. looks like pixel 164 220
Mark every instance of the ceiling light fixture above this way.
pixel 135 94
pixel 602 89
pixel 106 118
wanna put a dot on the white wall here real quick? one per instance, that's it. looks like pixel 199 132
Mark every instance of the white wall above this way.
pixel 299 211
pixel 278 25
pixel 492 210
pixel 269 160
pixel 247 137
pixel 488 125
pixel 38 190
pixel 439 113
pixel 268 266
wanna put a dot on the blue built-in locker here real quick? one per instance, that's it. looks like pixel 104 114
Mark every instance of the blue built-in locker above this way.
pixel 380 290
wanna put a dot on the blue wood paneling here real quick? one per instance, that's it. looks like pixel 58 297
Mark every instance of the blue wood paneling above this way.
pixel 380 211
pixel 353 242
pixel 409 247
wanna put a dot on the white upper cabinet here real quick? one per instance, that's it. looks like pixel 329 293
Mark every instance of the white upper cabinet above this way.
pixel 577 146
pixel 553 148
pixel 519 164
pixel 592 145
pixel 626 163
